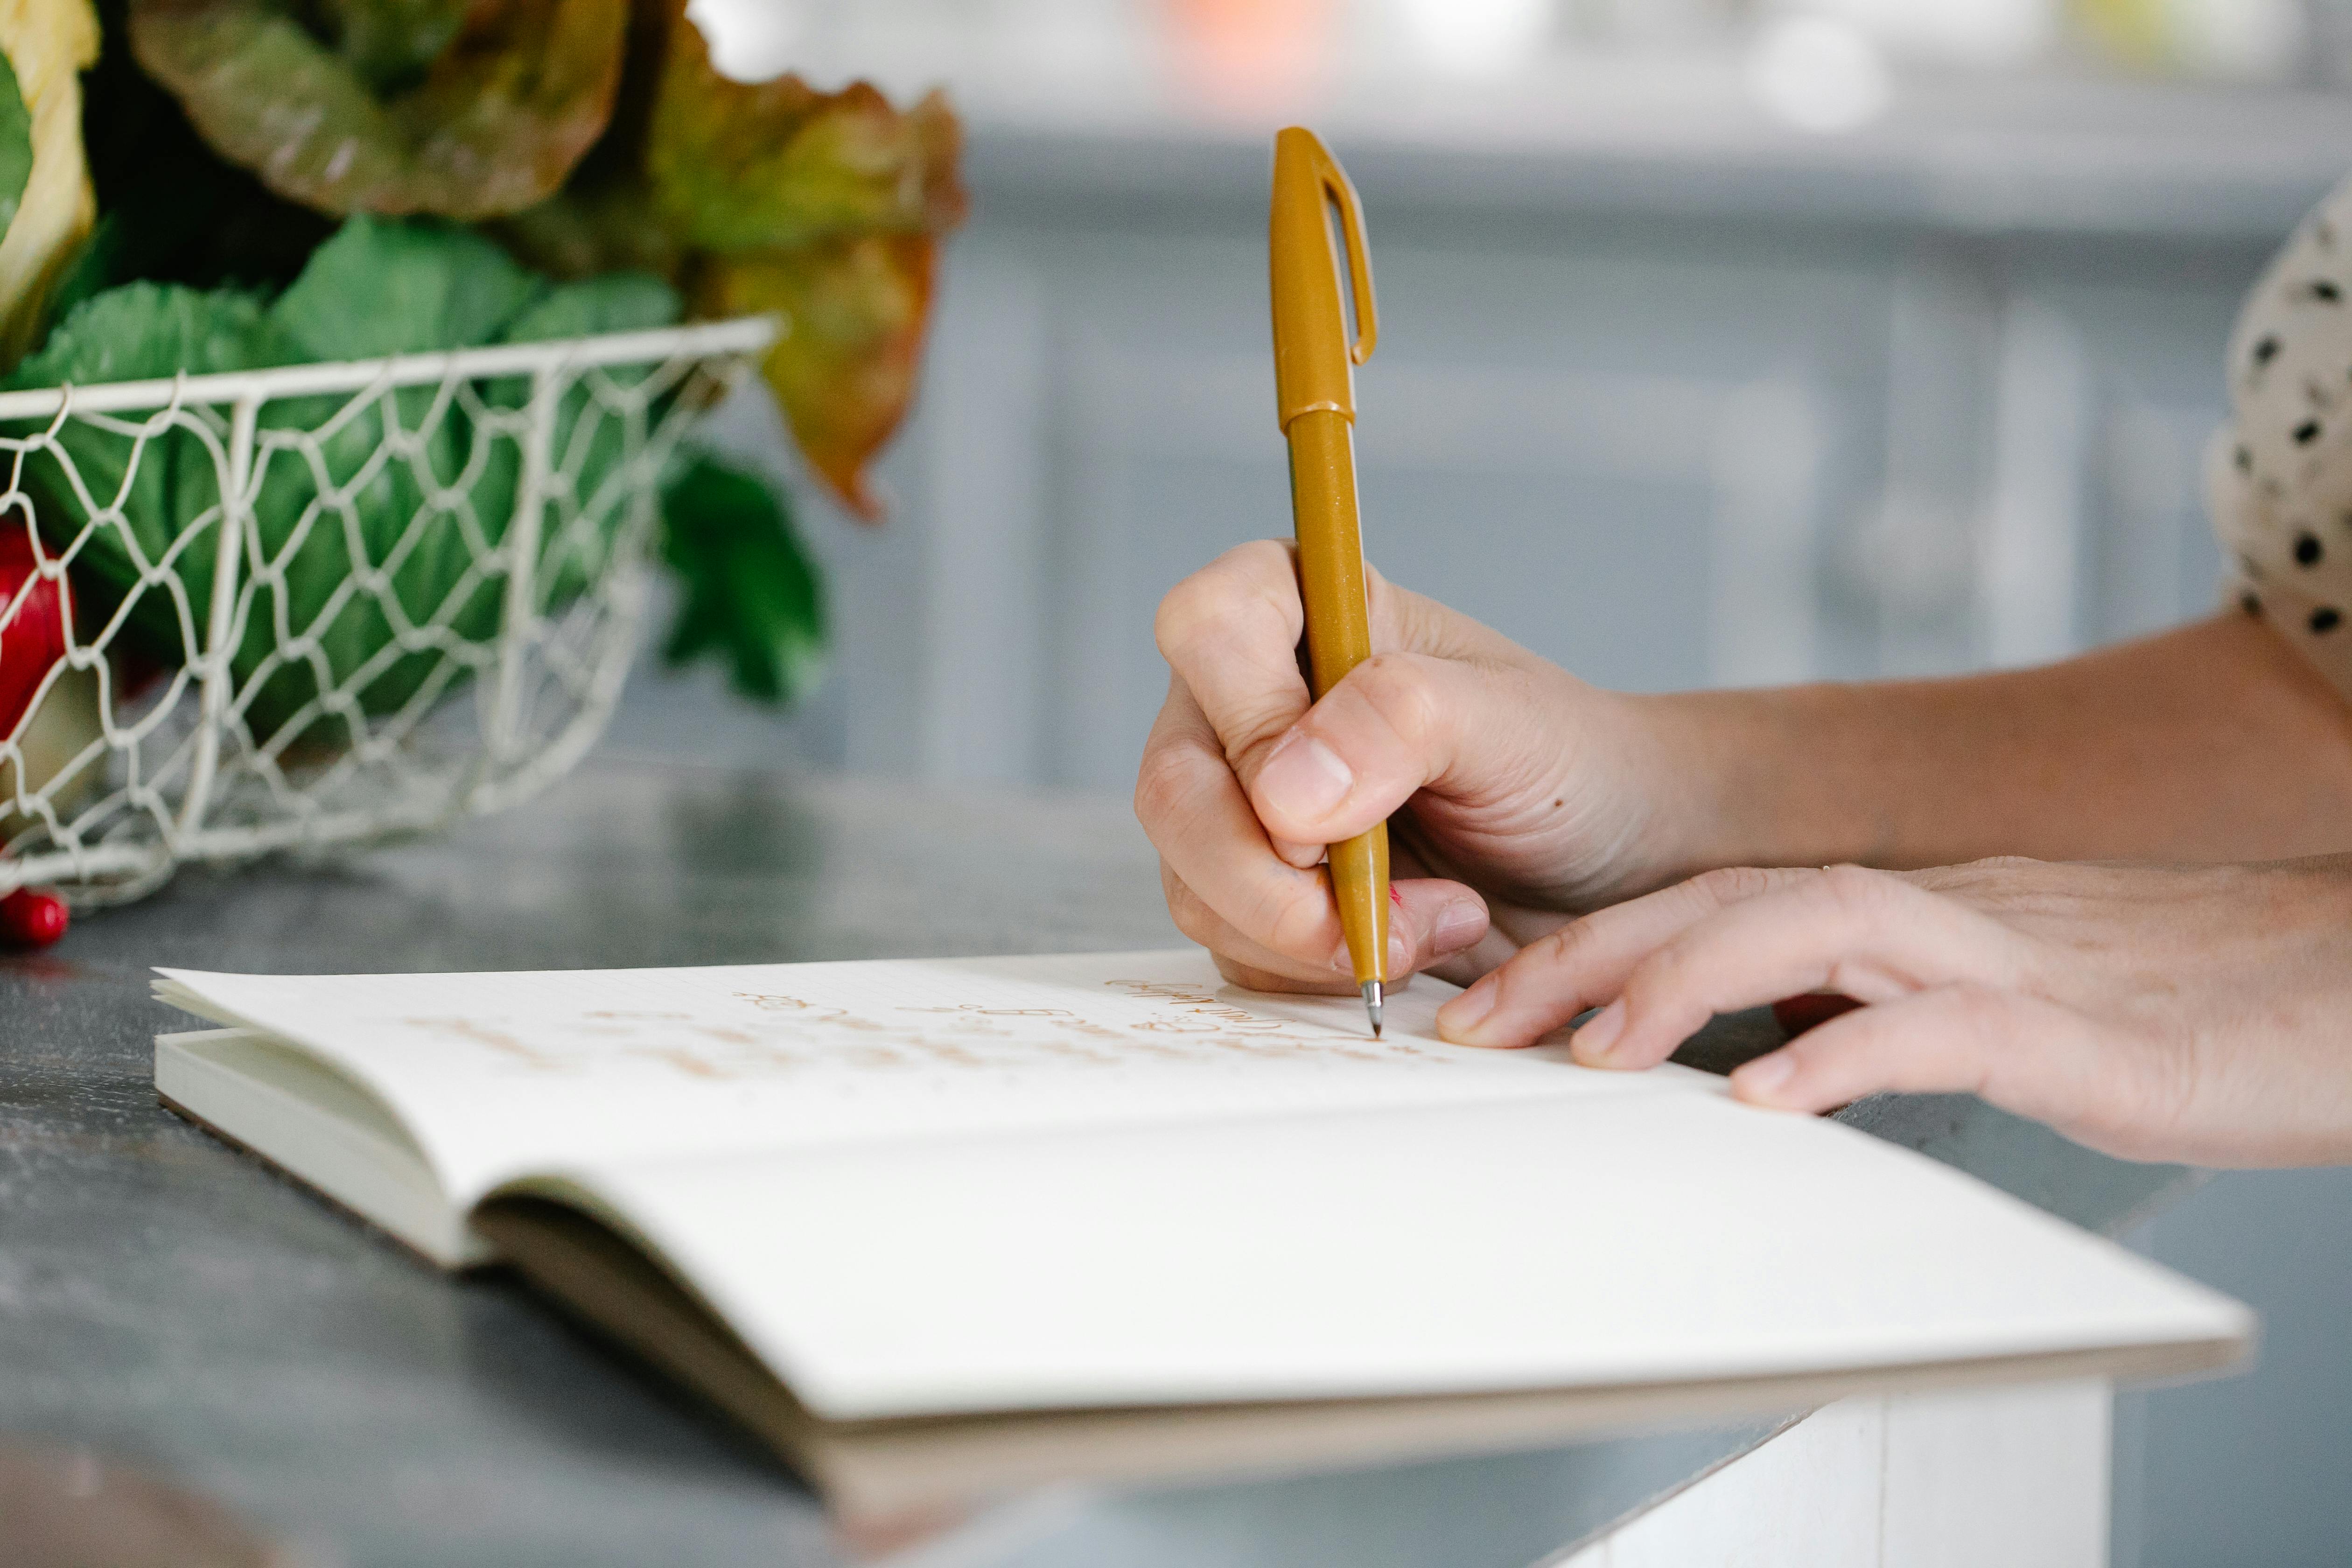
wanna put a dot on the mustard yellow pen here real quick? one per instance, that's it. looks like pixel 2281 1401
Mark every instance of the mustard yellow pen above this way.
pixel 1314 392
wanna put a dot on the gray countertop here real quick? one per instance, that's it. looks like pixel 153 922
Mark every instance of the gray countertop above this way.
pixel 174 1307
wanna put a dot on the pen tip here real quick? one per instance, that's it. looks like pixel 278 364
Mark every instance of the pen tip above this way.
pixel 1373 999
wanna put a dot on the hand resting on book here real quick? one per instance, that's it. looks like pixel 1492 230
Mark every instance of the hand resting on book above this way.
pixel 2182 1013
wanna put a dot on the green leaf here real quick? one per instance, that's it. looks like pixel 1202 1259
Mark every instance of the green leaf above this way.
pixel 753 601
pixel 356 116
pixel 381 287
pixel 615 302
pixel 413 484
pixel 16 144
pixel 589 442
pixel 164 486
pixel 144 330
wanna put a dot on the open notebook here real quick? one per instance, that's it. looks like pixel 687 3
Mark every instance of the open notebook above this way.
pixel 938 1228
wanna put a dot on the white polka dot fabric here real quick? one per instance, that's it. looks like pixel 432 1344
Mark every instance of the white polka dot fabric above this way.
pixel 2278 476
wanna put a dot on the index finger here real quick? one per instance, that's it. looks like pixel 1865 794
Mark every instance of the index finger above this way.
pixel 1870 935
pixel 1586 962
pixel 1229 632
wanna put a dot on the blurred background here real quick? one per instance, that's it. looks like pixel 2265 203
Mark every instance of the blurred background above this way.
pixel 1724 342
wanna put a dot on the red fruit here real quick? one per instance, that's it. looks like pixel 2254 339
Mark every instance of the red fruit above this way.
pixel 33 613
pixel 31 918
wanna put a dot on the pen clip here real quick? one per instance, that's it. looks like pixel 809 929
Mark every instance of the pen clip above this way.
pixel 1341 192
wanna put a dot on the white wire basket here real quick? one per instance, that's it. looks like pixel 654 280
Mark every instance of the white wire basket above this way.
pixel 327 604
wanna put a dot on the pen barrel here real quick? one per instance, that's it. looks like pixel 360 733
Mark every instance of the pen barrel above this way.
pixel 1330 547
pixel 1340 637
pixel 1360 885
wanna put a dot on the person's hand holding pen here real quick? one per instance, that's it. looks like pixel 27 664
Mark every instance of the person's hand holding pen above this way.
pixel 1533 794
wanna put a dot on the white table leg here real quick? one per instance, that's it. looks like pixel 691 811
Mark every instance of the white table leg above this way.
pixel 2016 1477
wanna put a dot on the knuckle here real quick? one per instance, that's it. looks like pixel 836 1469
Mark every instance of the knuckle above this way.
pixel 1264 562
pixel 1402 690
pixel 1292 922
pixel 1166 784
pixel 1387 608
pixel 2003 863
pixel 1291 918
pixel 1986 1012
pixel 1673 963
pixel 1730 884
pixel 1193 610
pixel 1859 889
pixel 1250 584
pixel 1652 988
pixel 1214 601
pixel 1976 878
pixel 1192 917
pixel 1985 1023
pixel 1558 950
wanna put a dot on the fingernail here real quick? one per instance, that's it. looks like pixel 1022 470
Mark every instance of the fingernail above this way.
pixel 1591 1042
pixel 1764 1077
pixel 1458 1018
pixel 1459 924
pixel 1303 777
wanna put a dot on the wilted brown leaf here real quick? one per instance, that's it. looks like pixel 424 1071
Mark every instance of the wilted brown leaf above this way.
pixel 512 95
pixel 773 165
pixel 603 218
pixel 845 369
pixel 591 227
pixel 826 208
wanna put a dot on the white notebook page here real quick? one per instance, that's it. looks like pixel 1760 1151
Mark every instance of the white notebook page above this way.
pixel 1551 1242
pixel 498 1075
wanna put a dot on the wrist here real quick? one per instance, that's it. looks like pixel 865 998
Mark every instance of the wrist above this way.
pixel 1682 763
pixel 1756 778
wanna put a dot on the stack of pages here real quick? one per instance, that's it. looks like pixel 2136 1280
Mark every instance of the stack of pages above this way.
pixel 936 1229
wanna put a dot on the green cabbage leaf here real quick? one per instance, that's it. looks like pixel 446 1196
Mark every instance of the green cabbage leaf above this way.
pixel 753 601
pixel 377 518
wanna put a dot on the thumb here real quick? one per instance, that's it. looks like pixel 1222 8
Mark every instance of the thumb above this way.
pixel 1398 723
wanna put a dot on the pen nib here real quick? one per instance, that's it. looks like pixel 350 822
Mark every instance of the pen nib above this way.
pixel 1372 996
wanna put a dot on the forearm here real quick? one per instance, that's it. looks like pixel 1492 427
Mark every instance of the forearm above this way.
pixel 2215 742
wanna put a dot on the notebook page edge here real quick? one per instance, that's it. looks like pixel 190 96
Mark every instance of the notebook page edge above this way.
pixel 906 1463
pixel 878 1467
pixel 378 1173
